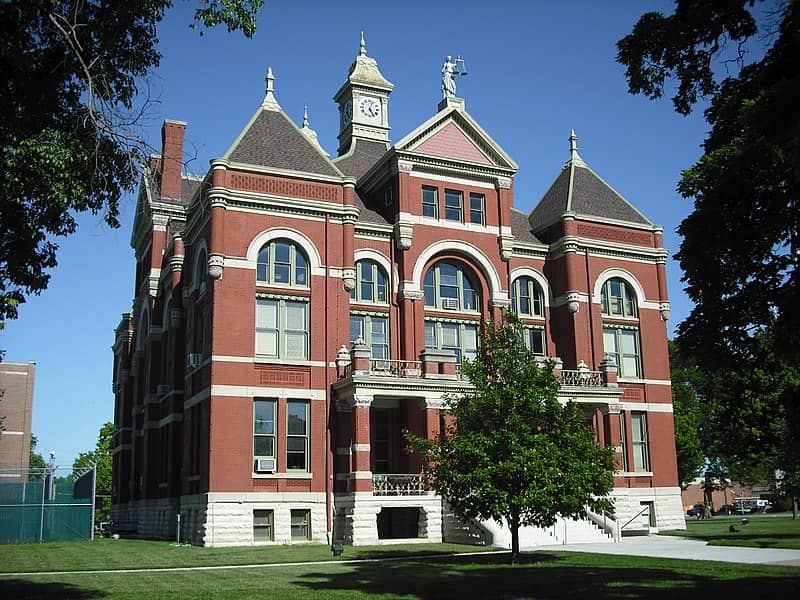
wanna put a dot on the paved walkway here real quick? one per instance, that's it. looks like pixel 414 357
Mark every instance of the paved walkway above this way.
pixel 662 546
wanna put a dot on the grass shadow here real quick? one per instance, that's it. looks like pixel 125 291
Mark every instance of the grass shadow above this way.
pixel 22 589
pixel 545 575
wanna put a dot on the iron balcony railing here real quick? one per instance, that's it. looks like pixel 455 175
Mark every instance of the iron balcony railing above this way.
pixel 582 378
pixel 399 484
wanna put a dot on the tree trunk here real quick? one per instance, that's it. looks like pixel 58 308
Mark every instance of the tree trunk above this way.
pixel 513 524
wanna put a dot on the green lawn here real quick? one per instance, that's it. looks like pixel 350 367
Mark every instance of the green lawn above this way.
pixel 439 576
pixel 762 531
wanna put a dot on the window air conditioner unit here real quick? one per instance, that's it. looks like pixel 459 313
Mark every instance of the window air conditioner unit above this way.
pixel 163 389
pixel 450 303
pixel 265 465
pixel 193 360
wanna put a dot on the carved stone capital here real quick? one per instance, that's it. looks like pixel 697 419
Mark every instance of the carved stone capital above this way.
pixel 403 235
pixel 216 264
pixel 506 243
pixel 573 302
pixel 663 308
pixel 362 401
pixel 433 404
pixel 500 301
pixel 503 183
pixel 349 278
pixel 405 166
pixel 409 291
pixel 218 202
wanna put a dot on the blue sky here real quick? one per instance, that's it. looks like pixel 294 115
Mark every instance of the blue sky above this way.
pixel 536 70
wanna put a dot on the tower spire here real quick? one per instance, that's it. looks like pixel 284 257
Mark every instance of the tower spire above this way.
pixel 270 103
pixel 363 49
pixel 574 157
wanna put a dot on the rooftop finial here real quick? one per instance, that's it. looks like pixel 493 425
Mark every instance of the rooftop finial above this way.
pixel 573 148
pixel 305 117
pixel 363 50
pixel 269 100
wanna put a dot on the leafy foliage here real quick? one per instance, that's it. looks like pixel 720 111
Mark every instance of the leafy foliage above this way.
pixel 688 414
pixel 36 463
pixel 515 451
pixel 740 248
pixel 102 457
pixel 73 70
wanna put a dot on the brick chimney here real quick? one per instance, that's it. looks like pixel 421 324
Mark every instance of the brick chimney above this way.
pixel 172 157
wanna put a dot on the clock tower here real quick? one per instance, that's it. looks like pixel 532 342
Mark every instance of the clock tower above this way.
pixel 363 103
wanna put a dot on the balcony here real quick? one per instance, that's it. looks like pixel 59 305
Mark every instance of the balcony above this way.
pixel 399 484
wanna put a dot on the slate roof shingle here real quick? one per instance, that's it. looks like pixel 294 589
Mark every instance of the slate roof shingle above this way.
pixel 272 140
pixel 521 228
pixel 360 158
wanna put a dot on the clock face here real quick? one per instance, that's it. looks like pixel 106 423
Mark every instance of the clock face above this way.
pixel 347 112
pixel 370 108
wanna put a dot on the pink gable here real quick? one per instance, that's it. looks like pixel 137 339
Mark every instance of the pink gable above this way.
pixel 450 142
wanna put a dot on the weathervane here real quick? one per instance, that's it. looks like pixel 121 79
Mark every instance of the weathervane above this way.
pixel 450 69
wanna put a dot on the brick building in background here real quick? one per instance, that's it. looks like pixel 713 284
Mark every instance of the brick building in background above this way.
pixel 293 314
pixel 16 410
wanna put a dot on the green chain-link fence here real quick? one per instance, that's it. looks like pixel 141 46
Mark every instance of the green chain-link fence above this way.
pixel 46 505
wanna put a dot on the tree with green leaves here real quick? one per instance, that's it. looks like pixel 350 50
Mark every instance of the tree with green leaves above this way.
pixel 688 415
pixel 515 451
pixel 102 457
pixel 75 75
pixel 741 242
pixel 36 463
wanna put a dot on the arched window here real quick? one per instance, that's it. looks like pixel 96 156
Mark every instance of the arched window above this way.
pixel 371 283
pixel 201 272
pixel 281 262
pixel 618 299
pixel 621 339
pixel 528 300
pixel 448 286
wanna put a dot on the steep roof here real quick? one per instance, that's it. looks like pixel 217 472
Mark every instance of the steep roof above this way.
pixel 579 191
pixel 521 228
pixel 361 156
pixel 272 140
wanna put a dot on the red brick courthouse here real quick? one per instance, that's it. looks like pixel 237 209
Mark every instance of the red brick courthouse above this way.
pixel 293 314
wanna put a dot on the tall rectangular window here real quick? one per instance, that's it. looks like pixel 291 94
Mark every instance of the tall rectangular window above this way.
pixel 263 428
pixel 297 435
pixel 281 328
pixel 301 524
pixel 374 330
pixel 533 338
pixel 462 338
pixel 263 526
pixel 430 202
pixel 623 436
pixel 453 205
pixel 641 454
pixel 477 209
pixel 623 344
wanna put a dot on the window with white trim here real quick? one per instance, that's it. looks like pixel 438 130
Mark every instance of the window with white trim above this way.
pixel 371 283
pixel 527 298
pixel 641 451
pixel 300 524
pixel 282 328
pixel 373 328
pixel 618 299
pixel 477 209
pixel 282 262
pixel 623 344
pixel 264 428
pixel 297 435
pixel 453 205
pixel 448 286
pixel 533 338
pixel 430 202
pixel 461 337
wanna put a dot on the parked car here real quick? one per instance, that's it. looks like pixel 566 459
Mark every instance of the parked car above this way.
pixel 695 511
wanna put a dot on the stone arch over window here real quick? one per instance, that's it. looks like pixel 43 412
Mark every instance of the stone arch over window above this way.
pixel 382 260
pixel 626 276
pixel 282 262
pixel 300 239
pixel 474 255
pixel 372 283
pixel 541 280
pixel 451 284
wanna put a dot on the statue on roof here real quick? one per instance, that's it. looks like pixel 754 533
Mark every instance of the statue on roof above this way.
pixel 450 69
